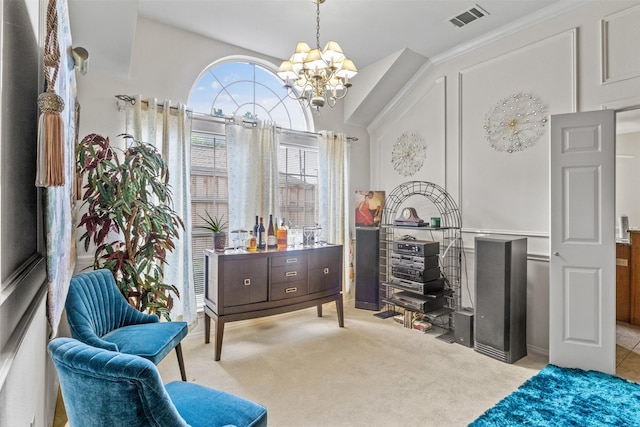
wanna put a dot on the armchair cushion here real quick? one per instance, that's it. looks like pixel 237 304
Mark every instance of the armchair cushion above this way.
pixel 100 316
pixel 190 398
pixel 105 388
pixel 152 341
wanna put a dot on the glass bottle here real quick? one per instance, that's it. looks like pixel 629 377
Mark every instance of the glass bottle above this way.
pixel 275 229
pixel 261 242
pixel 255 228
pixel 252 244
pixel 282 235
pixel 272 243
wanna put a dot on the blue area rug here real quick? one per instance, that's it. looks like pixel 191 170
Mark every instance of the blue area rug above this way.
pixel 567 397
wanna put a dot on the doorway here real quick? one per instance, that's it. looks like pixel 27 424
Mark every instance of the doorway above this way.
pixel 627 216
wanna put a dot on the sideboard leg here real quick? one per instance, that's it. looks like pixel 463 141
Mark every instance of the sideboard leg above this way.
pixel 340 310
pixel 319 307
pixel 219 334
pixel 207 328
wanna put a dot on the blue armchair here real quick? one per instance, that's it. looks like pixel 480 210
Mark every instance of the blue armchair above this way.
pixel 107 388
pixel 100 316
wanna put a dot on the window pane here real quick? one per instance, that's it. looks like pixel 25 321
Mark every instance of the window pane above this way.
pixel 230 72
pixel 298 185
pixel 296 114
pixel 269 80
pixel 203 94
pixel 268 98
pixel 280 115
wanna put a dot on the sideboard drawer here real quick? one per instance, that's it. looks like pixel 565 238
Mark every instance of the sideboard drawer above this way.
pixel 291 289
pixel 289 273
pixel 290 260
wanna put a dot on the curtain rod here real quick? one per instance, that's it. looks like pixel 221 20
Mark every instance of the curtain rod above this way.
pixel 286 130
pixel 132 101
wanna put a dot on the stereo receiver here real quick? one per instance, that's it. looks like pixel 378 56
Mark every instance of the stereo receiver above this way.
pixel 418 287
pixel 418 303
pixel 416 247
pixel 414 261
pixel 416 274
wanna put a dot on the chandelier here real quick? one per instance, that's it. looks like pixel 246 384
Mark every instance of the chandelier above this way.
pixel 317 77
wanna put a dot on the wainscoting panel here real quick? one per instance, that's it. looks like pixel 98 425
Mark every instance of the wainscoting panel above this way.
pixel 498 189
pixel 619 34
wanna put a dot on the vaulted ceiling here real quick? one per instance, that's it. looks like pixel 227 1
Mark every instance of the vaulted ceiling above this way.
pixel 389 41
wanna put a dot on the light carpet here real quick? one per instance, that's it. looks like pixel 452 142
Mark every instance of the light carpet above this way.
pixel 568 397
pixel 309 372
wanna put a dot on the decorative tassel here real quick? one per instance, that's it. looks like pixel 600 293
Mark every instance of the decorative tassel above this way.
pixel 51 126
pixel 51 148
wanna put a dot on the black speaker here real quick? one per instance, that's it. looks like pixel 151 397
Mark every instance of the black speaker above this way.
pixel 501 298
pixel 463 323
pixel 367 268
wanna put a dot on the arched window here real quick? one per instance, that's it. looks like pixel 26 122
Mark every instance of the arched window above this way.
pixel 249 88
pixel 236 87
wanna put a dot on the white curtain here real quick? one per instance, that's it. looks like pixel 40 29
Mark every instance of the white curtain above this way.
pixel 169 130
pixel 333 182
pixel 252 165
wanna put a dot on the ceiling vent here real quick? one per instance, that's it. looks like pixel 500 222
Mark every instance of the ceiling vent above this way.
pixel 468 16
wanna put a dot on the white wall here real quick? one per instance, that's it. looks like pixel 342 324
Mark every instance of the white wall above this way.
pixel 571 65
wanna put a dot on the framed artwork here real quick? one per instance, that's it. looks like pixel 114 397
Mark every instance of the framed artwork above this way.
pixel 369 205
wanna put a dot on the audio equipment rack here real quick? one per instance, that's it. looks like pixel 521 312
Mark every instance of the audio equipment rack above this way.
pixel 405 270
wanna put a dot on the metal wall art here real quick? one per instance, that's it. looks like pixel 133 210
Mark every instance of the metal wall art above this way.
pixel 515 122
pixel 409 152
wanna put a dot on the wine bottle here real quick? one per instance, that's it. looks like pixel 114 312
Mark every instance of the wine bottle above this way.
pixel 275 229
pixel 282 235
pixel 272 243
pixel 261 242
pixel 255 228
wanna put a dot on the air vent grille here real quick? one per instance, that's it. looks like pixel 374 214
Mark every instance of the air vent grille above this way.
pixel 468 16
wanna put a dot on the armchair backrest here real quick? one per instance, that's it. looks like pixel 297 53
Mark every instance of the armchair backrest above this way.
pixel 96 307
pixel 106 388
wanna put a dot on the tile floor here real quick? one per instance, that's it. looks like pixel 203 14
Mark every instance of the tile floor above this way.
pixel 628 351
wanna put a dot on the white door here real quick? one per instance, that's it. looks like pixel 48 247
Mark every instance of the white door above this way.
pixel 582 283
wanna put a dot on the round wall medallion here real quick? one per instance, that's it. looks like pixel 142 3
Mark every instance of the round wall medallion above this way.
pixel 409 152
pixel 515 123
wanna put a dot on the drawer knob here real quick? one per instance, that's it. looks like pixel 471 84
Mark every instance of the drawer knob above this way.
pixel 247 282
pixel 291 260
pixel 290 290
pixel 291 273
pixel 326 270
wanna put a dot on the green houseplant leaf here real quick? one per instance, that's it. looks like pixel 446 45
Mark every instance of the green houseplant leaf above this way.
pixel 213 224
pixel 129 218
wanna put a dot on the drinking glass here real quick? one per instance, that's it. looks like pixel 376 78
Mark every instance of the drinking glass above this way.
pixel 235 238
pixel 318 236
pixel 242 239
pixel 308 233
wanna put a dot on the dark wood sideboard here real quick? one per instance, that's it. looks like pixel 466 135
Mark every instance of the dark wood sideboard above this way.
pixel 247 285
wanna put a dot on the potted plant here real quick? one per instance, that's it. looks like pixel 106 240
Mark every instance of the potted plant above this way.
pixel 216 226
pixel 129 218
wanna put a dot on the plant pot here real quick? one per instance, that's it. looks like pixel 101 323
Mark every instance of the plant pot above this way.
pixel 219 241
